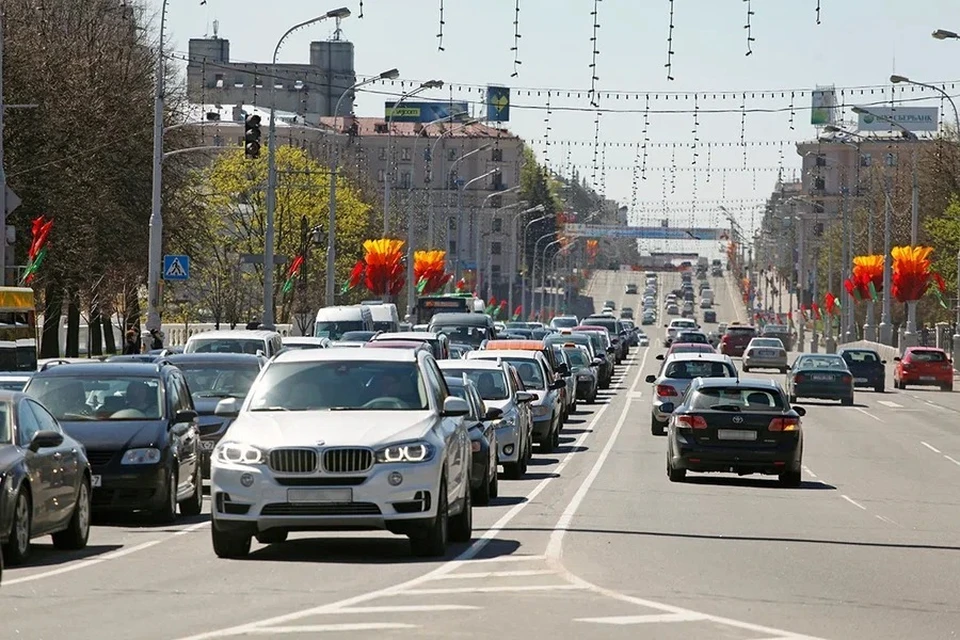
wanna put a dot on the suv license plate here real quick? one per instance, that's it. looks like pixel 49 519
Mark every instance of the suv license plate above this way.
pixel 314 496
pixel 207 445
pixel 736 434
pixel 95 481
pixel 858 380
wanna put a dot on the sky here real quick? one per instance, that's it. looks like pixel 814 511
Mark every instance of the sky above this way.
pixel 856 46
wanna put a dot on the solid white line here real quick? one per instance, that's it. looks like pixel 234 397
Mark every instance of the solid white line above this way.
pixel 954 461
pixel 853 502
pixel 651 618
pixel 320 628
pixel 931 447
pixel 867 413
pixel 507 559
pixel 891 404
pixel 523 587
pixel 415 608
pixel 887 520
pixel 480 575
pixel 810 473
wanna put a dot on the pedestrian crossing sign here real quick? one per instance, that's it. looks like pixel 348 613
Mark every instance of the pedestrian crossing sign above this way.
pixel 176 267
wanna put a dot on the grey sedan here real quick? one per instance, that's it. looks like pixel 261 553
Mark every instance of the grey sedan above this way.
pixel 765 353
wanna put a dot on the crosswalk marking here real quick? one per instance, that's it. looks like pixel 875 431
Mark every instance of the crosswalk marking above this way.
pixel 650 618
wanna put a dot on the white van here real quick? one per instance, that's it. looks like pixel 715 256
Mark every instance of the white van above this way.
pixel 235 341
pixel 333 322
pixel 385 316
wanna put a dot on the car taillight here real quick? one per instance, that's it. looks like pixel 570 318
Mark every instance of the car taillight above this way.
pixel 725 339
pixel 784 424
pixel 665 390
pixel 798 378
pixel 846 379
pixel 691 422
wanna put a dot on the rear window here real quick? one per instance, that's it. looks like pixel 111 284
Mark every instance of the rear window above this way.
pixel 927 356
pixel 823 362
pixel 690 369
pixel 744 399
pixel 740 332
pixel 860 356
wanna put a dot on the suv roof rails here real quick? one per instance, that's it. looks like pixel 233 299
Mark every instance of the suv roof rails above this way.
pixel 53 363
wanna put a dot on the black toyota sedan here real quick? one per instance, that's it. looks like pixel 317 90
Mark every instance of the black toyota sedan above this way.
pixel 824 376
pixel 44 480
pixel 735 426
pixel 480 424
pixel 139 427
pixel 866 366
pixel 211 377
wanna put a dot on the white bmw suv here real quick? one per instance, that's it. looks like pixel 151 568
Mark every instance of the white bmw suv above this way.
pixel 343 439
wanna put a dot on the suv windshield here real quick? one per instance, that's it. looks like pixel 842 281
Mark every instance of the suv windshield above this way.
pixel 491 385
pixel 225 345
pixel 743 398
pixel 473 336
pixel 690 369
pixel 332 385
pixel 335 330
pixel 529 372
pixel 210 380
pixel 100 398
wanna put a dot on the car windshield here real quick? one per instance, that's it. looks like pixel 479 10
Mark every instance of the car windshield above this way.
pixel 491 384
pixel 577 357
pixel 225 345
pixel 335 330
pixel 339 385
pixel 771 343
pixel 690 369
pixel 856 357
pixel 692 336
pixel 357 336
pixel 473 336
pixel 821 362
pixel 218 380
pixel 683 326
pixel 564 323
pixel 927 356
pixel 12 385
pixel 529 372
pixel 775 328
pixel 99 397
pixel 737 399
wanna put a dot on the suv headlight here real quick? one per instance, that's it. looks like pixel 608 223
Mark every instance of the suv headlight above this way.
pixel 583 376
pixel 148 455
pixel 239 453
pixel 410 452
pixel 540 410
pixel 507 420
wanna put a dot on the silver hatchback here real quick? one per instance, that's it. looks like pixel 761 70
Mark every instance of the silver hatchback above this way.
pixel 765 353
pixel 678 371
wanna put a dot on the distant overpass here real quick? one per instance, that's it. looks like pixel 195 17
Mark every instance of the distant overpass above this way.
pixel 648 233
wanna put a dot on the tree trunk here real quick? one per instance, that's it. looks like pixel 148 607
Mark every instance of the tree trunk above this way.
pixel 50 338
pixel 93 331
pixel 73 326
pixel 110 344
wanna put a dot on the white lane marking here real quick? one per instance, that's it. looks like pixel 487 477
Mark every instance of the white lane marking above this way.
pixel 480 575
pixel 890 403
pixel 414 608
pixel 853 502
pixel 508 559
pixel 522 587
pixel 653 617
pixel 930 446
pixel 953 460
pixel 810 473
pixel 321 628
pixel 89 562
pixel 867 413
pixel 888 520
pixel 734 302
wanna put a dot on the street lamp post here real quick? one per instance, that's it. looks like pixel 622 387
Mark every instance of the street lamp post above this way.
pixel 268 259
pixel 523 280
pixel 334 168
pixel 463 187
pixel 533 274
pixel 433 151
pixel 514 264
pixel 956 326
pixel 478 223
pixel 543 278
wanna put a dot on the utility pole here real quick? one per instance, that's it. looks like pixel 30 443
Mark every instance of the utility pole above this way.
pixel 886 327
pixel 910 335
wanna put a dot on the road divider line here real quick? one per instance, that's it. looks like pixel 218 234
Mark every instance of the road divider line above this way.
pixel 809 472
pixel 853 502
pixel 890 403
pixel 645 619
pixel 867 413
pixel 953 460
pixel 347 626
pixel 520 587
pixel 888 520
pixel 930 446
pixel 480 575
pixel 411 608
pixel 83 564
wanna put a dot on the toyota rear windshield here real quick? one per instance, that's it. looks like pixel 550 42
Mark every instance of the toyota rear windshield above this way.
pixel 736 399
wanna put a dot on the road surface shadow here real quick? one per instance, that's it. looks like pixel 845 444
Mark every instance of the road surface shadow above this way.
pixel 143 522
pixel 505 501
pixel 563 450
pixel 756 483
pixel 45 555
pixel 340 550
pixel 827 403
pixel 542 462
pixel 576 432
pixel 540 476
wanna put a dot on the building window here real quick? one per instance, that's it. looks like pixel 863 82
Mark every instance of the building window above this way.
pixel 452 154
pixel 495 273
pixel 405 154
pixel 496 155
pixel 496 248
pixel 381 175
pixel 496 202
pixel 452 224
pixel 383 153
pixel 819 184
pixel 405 180
pixel 497 225
pixel 498 182
pixel 452 246
pixel 891 160
pixel 454 181
pixel 866 160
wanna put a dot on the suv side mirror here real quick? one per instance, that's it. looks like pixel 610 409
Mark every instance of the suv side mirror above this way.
pixel 185 415
pixel 651 379
pixel 493 413
pixel 453 407
pixel 558 384
pixel 524 397
pixel 227 408
pixel 46 439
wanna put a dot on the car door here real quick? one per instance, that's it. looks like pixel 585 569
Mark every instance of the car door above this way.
pixel 43 468
pixel 184 435
pixel 67 459
pixel 452 432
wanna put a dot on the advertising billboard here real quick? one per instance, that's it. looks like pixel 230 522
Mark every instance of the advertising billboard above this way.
pixel 824 107
pixel 910 118
pixel 424 112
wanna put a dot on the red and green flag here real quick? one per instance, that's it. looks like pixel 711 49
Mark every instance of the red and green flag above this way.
pixel 491 306
pixel 292 272
pixel 356 276
pixel 40 231
pixel 517 313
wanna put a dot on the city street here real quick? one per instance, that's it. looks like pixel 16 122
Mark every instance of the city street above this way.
pixel 594 542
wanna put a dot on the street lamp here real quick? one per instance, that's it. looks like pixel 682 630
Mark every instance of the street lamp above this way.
pixel 543 276
pixel 533 275
pixel 433 151
pixel 429 84
pixel 479 225
pixel 268 261
pixel 514 262
pixel 391 74
pixel 463 187
pixel 896 79
pixel 943 34
pixel 523 280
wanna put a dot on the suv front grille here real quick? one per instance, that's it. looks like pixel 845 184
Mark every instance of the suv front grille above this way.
pixel 349 460
pixel 100 458
pixel 293 460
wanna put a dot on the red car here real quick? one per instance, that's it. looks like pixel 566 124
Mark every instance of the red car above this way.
pixel 734 342
pixel 924 366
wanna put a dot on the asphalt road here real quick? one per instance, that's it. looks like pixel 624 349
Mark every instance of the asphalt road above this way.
pixel 595 542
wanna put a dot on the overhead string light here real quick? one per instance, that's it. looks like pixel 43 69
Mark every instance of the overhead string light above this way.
pixel 709 160
pixel 696 130
pixel 546 133
pixel 516 41
pixel 440 32
pixel 669 64
pixel 743 128
pixel 596 148
pixel 603 169
pixel 594 40
pixel 361 9
pixel 673 171
pixel 646 138
pixel 818 12
pixel 749 27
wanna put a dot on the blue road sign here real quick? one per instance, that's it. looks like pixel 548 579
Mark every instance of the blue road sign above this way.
pixel 498 104
pixel 176 267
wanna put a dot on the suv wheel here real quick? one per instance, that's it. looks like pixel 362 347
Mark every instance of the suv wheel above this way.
pixel 461 525
pixel 168 512
pixel 431 541
pixel 229 544
pixel 193 505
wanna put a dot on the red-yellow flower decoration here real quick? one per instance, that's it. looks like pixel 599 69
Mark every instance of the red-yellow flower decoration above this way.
pixel 867 271
pixel 384 266
pixel 912 273
pixel 429 271
pixel 593 248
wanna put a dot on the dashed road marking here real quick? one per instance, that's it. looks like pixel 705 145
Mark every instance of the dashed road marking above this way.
pixel 323 628
pixel 499 589
pixel 930 446
pixel 953 460
pixel 809 472
pixel 853 502
pixel 414 608
pixel 890 403
pixel 480 575
pixel 867 413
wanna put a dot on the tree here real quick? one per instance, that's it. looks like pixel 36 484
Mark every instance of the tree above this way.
pixel 234 220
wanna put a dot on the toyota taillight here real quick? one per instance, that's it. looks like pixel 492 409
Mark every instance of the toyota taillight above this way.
pixel 665 390
pixel 691 422
pixel 798 378
pixel 846 379
pixel 784 424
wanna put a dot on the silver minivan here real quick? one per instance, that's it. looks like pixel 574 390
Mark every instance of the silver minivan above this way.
pixel 268 343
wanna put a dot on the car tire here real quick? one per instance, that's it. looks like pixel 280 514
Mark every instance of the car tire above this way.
pixel 878 388
pixel 77 533
pixel 746 368
pixel 512 470
pixel 431 541
pixel 847 401
pixel 783 370
pixel 461 525
pixel 193 505
pixel 17 548
pixel 272 536
pixel 675 475
pixel 229 544
pixel 790 479
pixel 947 387
pixel 168 512
pixel 792 399
pixel 657 428
pixel 494 484
pixel 482 493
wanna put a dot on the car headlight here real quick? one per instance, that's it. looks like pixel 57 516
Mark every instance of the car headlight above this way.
pixel 508 420
pixel 540 410
pixel 147 455
pixel 239 453
pixel 411 452
pixel 583 377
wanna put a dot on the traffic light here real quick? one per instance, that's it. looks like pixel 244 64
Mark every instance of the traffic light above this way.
pixel 251 137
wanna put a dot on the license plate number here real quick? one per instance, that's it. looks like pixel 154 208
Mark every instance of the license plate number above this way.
pixel 95 481
pixel 314 496
pixel 859 379
pixel 822 377
pixel 768 354
pixel 928 377
pixel 207 445
pixel 736 434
